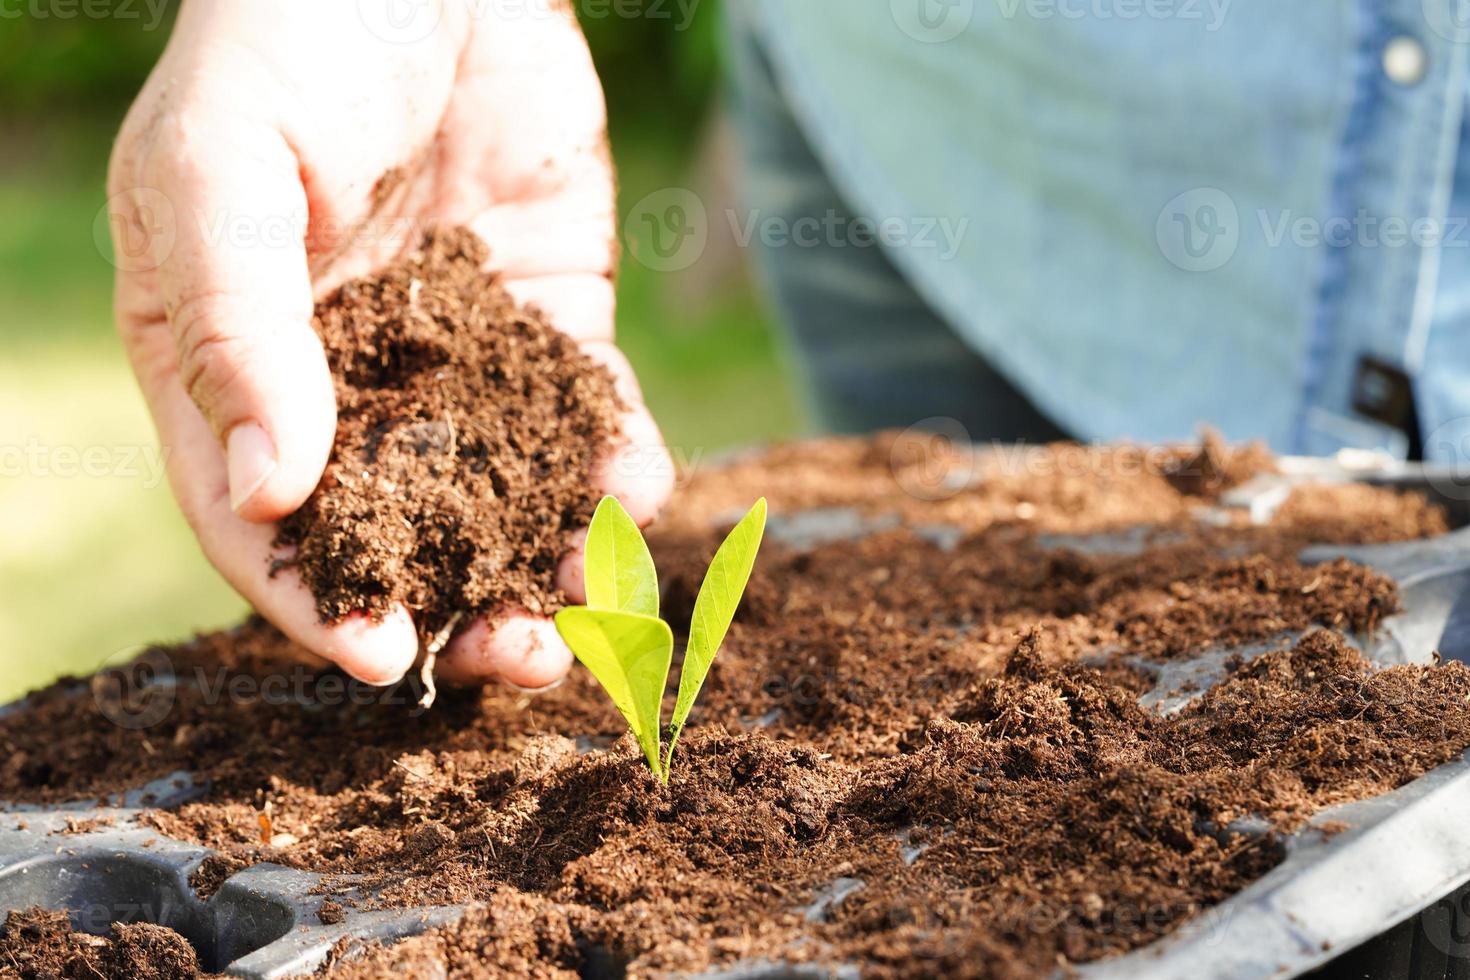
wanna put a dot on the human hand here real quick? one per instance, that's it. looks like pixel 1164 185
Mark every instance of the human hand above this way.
pixel 245 182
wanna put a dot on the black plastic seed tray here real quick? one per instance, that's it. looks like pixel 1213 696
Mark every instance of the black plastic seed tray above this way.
pixel 1389 891
pixel 100 865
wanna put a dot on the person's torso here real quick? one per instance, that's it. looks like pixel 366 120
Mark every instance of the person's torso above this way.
pixel 1153 213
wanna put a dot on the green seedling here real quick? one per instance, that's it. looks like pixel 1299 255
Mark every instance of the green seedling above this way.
pixel 620 639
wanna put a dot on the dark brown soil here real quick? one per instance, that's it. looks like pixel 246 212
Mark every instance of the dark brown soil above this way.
pixel 467 427
pixel 955 727
pixel 215 870
pixel 39 945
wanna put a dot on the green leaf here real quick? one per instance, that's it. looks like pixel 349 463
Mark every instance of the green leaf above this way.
pixel 714 608
pixel 629 655
pixel 618 568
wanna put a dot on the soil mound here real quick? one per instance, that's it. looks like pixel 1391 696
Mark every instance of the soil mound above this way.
pixel 39 945
pixel 467 427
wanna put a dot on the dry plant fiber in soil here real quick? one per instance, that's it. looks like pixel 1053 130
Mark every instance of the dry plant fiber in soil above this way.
pixel 468 427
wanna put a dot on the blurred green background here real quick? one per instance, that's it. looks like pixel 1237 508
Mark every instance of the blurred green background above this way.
pixel 94 564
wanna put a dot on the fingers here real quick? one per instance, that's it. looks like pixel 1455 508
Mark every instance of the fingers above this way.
pixel 580 305
pixel 514 647
pixel 545 204
pixel 378 652
pixel 233 292
pixel 542 199
pixel 528 136
pixel 571 573
pixel 214 312
pixel 637 468
pixel 374 652
pixel 527 651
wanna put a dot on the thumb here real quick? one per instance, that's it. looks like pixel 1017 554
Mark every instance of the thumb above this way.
pixel 236 290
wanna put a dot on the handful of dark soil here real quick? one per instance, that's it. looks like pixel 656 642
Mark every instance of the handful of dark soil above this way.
pixel 467 428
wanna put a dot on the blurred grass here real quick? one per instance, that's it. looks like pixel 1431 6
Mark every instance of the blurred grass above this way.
pixel 94 564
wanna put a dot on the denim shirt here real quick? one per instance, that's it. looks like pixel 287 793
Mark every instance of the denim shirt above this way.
pixel 1166 212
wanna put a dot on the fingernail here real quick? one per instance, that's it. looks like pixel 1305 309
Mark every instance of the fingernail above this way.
pixel 377 653
pixel 535 690
pixel 375 679
pixel 252 460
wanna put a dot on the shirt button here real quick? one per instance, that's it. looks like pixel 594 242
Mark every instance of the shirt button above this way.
pixel 1405 61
